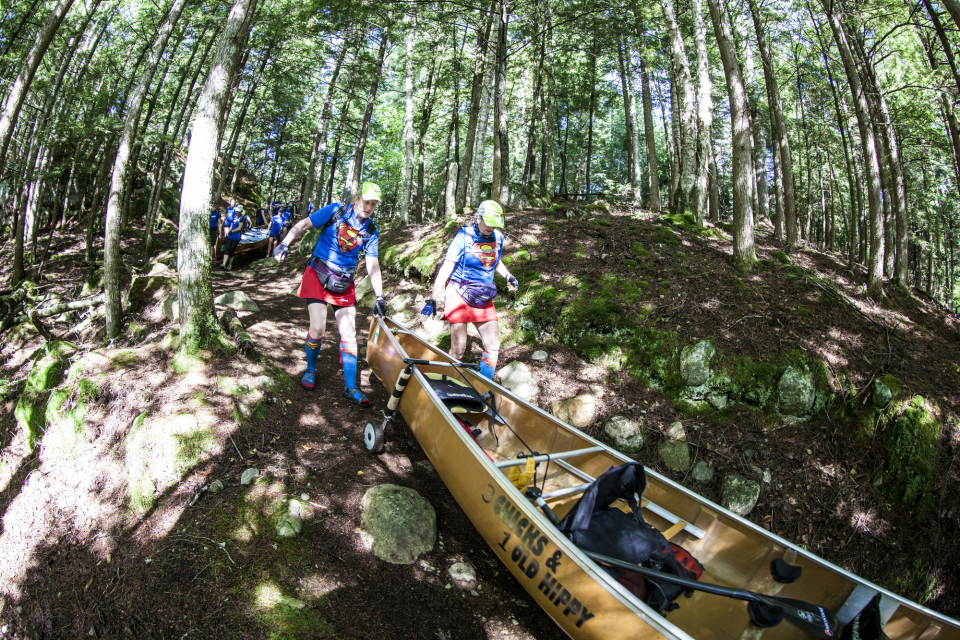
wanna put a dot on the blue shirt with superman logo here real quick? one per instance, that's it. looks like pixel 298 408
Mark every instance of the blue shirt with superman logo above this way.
pixel 476 255
pixel 339 244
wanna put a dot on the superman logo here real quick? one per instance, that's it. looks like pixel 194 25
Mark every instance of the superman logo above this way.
pixel 486 252
pixel 347 237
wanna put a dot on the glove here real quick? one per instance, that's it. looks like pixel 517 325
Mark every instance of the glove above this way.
pixel 429 308
pixel 281 251
pixel 512 283
pixel 380 306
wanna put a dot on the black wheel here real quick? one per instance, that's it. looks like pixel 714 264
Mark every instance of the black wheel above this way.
pixel 373 438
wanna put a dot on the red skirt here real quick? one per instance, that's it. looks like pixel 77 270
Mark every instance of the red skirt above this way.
pixel 455 310
pixel 310 287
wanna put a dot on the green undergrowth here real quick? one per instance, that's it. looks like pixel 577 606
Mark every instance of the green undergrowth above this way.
pixel 420 258
pixel 687 223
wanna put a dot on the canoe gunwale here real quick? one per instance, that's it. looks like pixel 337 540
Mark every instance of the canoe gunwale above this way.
pixel 722 513
pixel 656 621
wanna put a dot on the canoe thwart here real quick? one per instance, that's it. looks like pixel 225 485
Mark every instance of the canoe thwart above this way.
pixel 549 456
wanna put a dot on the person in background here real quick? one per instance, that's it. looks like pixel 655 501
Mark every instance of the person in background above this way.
pixel 233 226
pixel 260 219
pixel 216 230
pixel 286 213
pixel 345 231
pixel 465 285
pixel 276 232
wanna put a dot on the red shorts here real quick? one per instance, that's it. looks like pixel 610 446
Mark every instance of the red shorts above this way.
pixel 455 310
pixel 310 288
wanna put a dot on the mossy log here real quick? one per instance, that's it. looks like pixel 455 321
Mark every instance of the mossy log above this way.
pixel 232 325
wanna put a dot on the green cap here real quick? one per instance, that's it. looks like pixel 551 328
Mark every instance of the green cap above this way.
pixel 370 191
pixel 491 213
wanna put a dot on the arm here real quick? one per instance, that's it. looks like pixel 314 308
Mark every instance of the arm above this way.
pixel 373 270
pixel 446 270
pixel 301 228
pixel 512 283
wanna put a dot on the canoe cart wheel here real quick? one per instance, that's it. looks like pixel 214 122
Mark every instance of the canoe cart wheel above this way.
pixel 373 438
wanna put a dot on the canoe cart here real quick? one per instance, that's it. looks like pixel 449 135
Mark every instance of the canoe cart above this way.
pixel 473 445
pixel 250 240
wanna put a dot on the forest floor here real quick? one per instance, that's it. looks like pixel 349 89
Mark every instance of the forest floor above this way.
pixel 77 561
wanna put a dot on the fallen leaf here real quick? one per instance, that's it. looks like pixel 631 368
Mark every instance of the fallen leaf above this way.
pixel 359 473
pixel 809 452
pixel 88 584
pixel 307 447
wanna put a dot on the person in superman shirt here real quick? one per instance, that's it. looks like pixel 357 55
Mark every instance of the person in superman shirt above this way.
pixel 465 285
pixel 346 229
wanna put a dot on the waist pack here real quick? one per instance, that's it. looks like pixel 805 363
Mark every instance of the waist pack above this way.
pixel 595 526
pixel 475 293
pixel 332 281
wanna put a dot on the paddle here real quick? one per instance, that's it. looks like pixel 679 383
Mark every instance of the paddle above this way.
pixel 765 611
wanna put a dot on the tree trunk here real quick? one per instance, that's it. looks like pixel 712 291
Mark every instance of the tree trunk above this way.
pixel 593 100
pixel 549 144
pixel 500 190
pixel 628 124
pixel 320 139
pixel 473 121
pixel 871 161
pixel 199 328
pixel 744 254
pixel 354 183
pixel 714 207
pixel 94 215
pixel 649 139
pixel 428 101
pixel 785 188
pixel 28 69
pixel 450 201
pixel 408 137
pixel 489 72
pixel 687 118
pixel 704 116
pixel 760 165
pixel 111 252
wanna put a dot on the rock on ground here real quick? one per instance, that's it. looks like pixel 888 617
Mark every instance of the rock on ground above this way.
pixel 237 300
pixel 578 411
pixel 516 377
pixel 627 434
pixel 397 524
pixel 695 363
pixel 463 575
pixel 739 494
pixel 796 392
pixel 675 454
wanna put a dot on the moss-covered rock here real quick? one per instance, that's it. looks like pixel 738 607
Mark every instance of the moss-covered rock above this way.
pixel 147 290
pixel 795 392
pixel 909 447
pixel 781 257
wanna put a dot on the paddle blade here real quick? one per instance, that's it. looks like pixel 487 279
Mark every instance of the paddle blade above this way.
pixel 812 618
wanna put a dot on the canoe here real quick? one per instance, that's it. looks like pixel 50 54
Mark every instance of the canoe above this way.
pixel 250 240
pixel 574 590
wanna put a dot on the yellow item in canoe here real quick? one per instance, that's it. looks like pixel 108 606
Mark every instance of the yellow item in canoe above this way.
pixel 521 479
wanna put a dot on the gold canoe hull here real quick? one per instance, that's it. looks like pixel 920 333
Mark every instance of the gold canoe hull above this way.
pixel 573 590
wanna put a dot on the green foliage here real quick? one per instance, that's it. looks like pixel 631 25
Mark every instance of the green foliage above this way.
pixel 637 250
pixel 781 257
pixel 909 446
pixel 665 237
pixel 650 357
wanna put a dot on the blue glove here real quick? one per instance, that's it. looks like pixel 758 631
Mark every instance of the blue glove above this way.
pixel 281 251
pixel 512 283
pixel 429 308
pixel 380 306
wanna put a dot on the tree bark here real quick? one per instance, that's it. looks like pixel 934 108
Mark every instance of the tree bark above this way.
pixel 489 73
pixel 94 215
pixel 871 161
pixel 320 139
pixel 683 83
pixel 549 144
pixel 704 116
pixel 408 137
pixel 744 253
pixel 111 252
pixel 785 187
pixel 500 190
pixel 199 328
pixel 354 183
pixel 473 120
pixel 649 138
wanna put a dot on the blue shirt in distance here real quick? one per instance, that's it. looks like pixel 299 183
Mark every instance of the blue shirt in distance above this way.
pixel 233 223
pixel 476 255
pixel 276 224
pixel 339 245
pixel 214 218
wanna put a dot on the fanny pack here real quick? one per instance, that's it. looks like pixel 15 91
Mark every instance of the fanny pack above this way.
pixel 332 281
pixel 475 293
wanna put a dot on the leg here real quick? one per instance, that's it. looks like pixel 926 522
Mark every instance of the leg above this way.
pixel 490 336
pixel 458 339
pixel 311 346
pixel 347 326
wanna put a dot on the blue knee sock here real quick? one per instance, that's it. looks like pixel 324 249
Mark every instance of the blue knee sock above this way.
pixel 348 356
pixel 487 364
pixel 311 346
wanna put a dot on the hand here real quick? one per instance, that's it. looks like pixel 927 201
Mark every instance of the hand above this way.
pixel 281 251
pixel 512 283
pixel 429 308
pixel 380 306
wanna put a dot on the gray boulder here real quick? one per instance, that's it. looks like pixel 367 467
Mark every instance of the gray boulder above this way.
pixel 718 400
pixel 237 300
pixel 578 411
pixel 248 476
pixel 702 472
pixel 539 356
pixel 516 377
pixel 397 524
pixel 675 454
pixel 431 328
pixel 695 363
pixel 171 308
pixel 796 392
pixel 739 494
pixel 463 575
pixel 628 435
pixel 291 524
